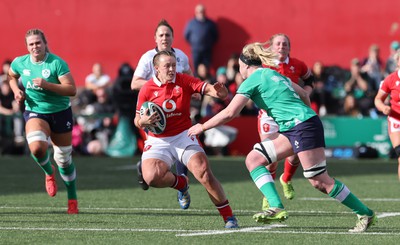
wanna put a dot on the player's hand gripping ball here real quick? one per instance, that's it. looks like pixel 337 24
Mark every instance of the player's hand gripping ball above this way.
pixel 159 126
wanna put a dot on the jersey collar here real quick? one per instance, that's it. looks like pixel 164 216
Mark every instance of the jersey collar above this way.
pixel 286 61
pixel 156 81
pixel 40 62
pixel 173 50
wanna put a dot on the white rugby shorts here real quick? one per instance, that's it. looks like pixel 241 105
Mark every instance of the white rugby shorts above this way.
pixel 170 149
pixel 394 125
pixel 266 124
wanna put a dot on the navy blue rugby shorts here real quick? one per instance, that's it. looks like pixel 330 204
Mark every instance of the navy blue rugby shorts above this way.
pixel 306 135
pixel 60 122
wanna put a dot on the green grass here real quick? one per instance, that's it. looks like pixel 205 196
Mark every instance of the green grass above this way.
pixel 114 210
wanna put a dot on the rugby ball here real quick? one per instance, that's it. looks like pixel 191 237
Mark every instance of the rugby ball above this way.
pixel 159 126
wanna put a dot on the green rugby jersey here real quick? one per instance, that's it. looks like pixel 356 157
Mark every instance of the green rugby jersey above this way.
pixel 50 69
pixel 274 93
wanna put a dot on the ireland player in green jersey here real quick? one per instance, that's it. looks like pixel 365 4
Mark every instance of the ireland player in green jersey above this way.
pixel 48 85
pixel 300 132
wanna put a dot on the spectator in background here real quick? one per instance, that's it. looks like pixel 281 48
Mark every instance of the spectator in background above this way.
pixel 210 105
pixel 99 137
pixel 9 109
pixel 86 97
pixel 201 33
pixel 391 65
pixel 373 66
pixel 350 107
pixel 95 131
pixel 232 67
pixel 204 75
pixel 124 98
pixel 4 71
pixel 317 96
pixel 97 79
pixel 390 87
pixel 358 85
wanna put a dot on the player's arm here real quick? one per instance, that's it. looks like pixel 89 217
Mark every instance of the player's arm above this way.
pixel 309 83
pixel 189 72
pixel 137 82
pixel 66 87
pixel 19 95
pixel 231 111
pixel 304 96
pixel 380 102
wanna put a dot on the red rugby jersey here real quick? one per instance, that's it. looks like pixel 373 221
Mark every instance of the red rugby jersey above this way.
pixel 293 69
pixel 391 86
pixel 174 98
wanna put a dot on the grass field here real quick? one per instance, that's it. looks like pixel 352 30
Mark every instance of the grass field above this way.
pixel 114 210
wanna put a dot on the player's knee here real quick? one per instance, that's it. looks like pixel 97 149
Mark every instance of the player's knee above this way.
pixel 62 155
pixel 397 150
pixel 315 170
pixel 37 141
pixel 154 178
pixel 267 150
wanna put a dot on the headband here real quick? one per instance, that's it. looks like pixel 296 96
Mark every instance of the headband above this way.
pixel 250 62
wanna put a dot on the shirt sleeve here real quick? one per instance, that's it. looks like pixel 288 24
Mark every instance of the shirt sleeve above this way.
pixel 14 67
pixel 385 85
pixel 144 68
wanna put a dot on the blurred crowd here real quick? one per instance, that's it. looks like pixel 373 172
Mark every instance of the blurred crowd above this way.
pixel 103 101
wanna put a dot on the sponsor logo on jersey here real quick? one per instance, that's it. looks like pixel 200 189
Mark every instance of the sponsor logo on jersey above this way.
pixel 155 94
pixel 26 72
pixel 46 73
pixel 292 69
pixel 169 105
pixel 30 85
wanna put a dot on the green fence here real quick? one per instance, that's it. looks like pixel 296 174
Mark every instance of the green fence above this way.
pixel 352 132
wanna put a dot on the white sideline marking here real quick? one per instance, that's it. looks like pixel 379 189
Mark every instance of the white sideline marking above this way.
pixel 388 214
pixel 250 229
pixel 379 214
pixel 363 199
pixel 93 229
pixel 266 229
pixel 187 233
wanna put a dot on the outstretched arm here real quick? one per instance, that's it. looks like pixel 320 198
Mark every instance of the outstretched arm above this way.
pixel 226 115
